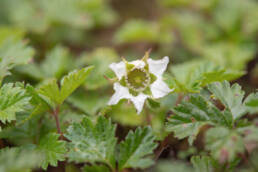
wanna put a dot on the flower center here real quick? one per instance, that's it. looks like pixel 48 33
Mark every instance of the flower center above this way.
pixel 137 79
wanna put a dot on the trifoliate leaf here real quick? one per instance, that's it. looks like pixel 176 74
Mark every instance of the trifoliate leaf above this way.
pixel 192 76
pixel 96 168
pixel 190 116
pixel 51 93
pixel 134 150
pixel 18 160
pixel 202 163
pixel 251 103
pixel 13 99
pixel 13 53
pixel 231 97
pixel 92 142
pixel 224 143
pixel 54 150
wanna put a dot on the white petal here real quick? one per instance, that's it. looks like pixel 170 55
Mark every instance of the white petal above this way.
pixel 138 101
pixel 119 69
pixel 157 67
pixel 120 93
pixel 138 63
pixel 159 88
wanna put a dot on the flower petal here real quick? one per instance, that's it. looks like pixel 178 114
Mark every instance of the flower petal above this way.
pixel 120 93
pixel 157 67
pixel 138 63
pixel 159 88
pixel 119 69
pixel 138 101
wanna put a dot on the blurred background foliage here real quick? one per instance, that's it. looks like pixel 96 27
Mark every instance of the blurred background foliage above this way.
pixel 202 38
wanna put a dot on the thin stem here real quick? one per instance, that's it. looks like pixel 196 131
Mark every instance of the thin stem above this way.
pixel 55 113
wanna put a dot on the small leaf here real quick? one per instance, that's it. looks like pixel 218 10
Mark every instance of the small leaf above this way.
pixel 231 97
pixel 12 53
pixel 92 142
pixel 54 150
pixel 18 160
pixel 134 150
pixel 54 96
pixel 190 116
pixel 251 103
pixel 13 99
pixel 72 81
pixel 224 144
pixel 202 163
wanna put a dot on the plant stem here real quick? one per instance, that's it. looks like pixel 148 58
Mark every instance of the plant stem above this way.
pixel 56 116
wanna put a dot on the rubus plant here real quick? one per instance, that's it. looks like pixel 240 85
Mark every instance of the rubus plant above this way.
pixel 67 104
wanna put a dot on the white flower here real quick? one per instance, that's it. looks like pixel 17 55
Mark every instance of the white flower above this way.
pixel 138 80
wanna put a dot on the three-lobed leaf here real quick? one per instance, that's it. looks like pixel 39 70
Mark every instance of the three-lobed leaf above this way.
pixel 190 116
pixel 54 95
pixel 230 96
pixel 92 142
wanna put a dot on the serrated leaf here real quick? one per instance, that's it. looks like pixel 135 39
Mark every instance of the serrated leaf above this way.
pixel 13 99
pixel 54 150
pixel 92 142
pixel 224 144
pixel 193 75
pixel 251 103
pixel 191 115
pixel 134 150
pixel 230 96
pixel 96 168
pixel 18 160
pixel 54 96
pixel 72 81
pixel 13 53
pixel 202 163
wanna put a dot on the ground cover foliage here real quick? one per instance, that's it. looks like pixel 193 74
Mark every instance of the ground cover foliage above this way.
pixel 55 85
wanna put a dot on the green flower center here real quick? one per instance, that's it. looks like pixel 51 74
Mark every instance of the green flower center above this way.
pixel 137 79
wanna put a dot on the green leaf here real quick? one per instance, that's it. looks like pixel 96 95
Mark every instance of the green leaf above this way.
pixel 72 81
pixel 96 168
pixel 96 79
pixel 18 160
pixel 137 30
pixel 202 163
pixel 193 75
pixel 54 150
pixel 56 62
pixel 224 143
pixel 190 116
pixel 92 142
pixel 134 150
pixel 13 99
pixel 54 96
pixel 231 97
pixel 251 103
pixel 13 53
pixel 173 166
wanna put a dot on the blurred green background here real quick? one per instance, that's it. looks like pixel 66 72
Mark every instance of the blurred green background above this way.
pixel 201 37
